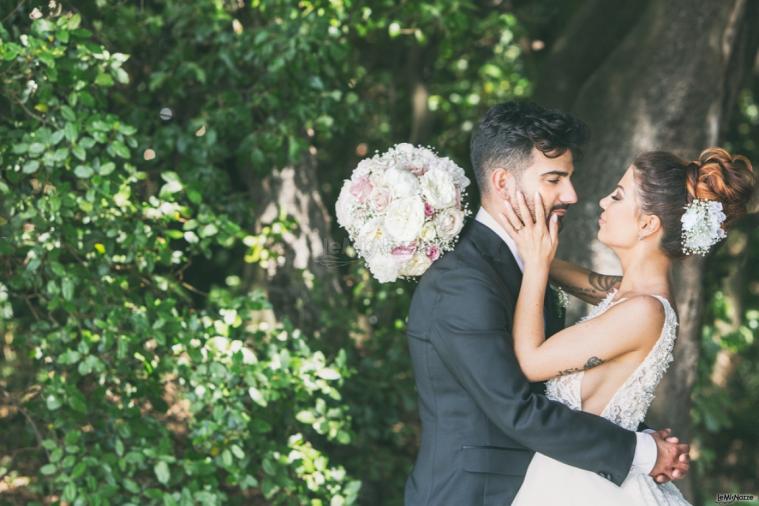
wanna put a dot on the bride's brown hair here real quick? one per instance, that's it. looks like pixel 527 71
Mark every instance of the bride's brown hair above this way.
pixel 668 183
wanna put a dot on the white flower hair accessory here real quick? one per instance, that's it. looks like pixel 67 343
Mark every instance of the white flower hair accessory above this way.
pixel 702 226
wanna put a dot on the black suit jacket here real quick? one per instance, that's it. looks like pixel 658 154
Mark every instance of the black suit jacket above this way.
pixel 481 419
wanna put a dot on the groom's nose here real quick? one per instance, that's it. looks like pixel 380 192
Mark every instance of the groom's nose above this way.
pixel 568 194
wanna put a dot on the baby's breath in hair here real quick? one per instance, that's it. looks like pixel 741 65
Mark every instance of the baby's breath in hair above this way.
pixel 702 226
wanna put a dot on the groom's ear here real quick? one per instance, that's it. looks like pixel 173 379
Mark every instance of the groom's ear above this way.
pixel 502 182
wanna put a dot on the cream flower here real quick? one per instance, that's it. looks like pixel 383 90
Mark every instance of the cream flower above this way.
pixel 438 188
pixel 449 223
pixel 344 207
pixel 428 233
pixel 418 264
pixel 372 238
pixel 400 182
pixel 404 218
pixel 384 267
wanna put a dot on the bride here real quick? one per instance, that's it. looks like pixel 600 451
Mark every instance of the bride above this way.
pixel 610 363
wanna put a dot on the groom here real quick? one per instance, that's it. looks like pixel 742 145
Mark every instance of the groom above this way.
pixel 481 419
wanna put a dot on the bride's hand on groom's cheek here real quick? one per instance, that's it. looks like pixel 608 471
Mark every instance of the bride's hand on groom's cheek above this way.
pixel 536 240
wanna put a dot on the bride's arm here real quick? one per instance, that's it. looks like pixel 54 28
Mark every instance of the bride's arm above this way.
pixel 584 284
pixel 634 323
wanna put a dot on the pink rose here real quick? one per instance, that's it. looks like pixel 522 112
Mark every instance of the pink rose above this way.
pixel 433 253
pixel 428 210
pixel 404 252
pixel 380 198
pixel 417 170
pixel 361 188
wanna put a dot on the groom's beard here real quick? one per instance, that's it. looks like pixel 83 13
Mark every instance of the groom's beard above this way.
pixel 562 208
pixel 560 215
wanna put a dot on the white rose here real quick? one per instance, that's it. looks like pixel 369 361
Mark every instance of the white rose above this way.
pixel 428 233
pixel 448 223
pixel 384 268
pixel 438 189
pixel 404 148
pixel 456 172
pixel 400 182
pixel 344 207
pixel 404 218
pixel 367 167
pixel 418 264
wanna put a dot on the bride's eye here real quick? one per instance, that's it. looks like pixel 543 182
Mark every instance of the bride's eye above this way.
pixel 615 196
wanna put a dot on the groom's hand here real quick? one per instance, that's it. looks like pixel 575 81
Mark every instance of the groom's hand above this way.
pixel 672 460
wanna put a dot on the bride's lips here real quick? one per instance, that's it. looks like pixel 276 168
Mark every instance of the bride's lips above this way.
pixel 601 221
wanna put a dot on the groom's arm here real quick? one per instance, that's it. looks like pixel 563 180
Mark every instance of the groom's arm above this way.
pixel 471 337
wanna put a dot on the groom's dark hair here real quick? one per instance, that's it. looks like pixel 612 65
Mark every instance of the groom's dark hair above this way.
pixel 508 132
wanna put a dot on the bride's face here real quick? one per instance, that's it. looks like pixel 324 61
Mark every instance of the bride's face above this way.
pixel 618 225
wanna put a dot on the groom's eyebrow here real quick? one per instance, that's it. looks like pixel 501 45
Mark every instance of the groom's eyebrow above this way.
pixel 556 173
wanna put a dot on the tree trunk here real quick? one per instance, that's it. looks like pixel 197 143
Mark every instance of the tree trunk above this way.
pixel 669 83
pixel 304 286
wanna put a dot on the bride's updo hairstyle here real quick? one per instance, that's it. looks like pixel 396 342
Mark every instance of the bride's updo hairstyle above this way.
pixel 668 183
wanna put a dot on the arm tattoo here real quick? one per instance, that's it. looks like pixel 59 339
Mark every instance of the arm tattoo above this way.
pixel 602 282
pixel 600 286
pixel 590 364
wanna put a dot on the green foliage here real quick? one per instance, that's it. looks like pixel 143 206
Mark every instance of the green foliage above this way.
pixel 152 370
pixel 133 393
pixel 143 363
pixel 727 389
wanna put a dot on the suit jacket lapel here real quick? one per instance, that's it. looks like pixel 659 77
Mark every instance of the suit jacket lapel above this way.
pixel 504 263
pixel 493 247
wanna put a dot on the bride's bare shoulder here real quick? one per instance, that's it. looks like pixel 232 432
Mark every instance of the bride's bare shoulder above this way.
pixel 643 313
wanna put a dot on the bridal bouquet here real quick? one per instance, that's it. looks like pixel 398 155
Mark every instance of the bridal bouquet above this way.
pixel 403 209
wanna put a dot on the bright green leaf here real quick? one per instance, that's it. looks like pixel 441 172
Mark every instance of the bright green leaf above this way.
pixel 162 472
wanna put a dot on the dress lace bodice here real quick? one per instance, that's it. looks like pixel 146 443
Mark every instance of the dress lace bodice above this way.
pixel 629 404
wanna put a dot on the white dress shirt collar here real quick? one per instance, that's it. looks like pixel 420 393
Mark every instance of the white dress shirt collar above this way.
pixel 487 219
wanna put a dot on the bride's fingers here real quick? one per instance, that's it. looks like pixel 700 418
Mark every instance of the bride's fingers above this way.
pixel 540 213
pixel 553 229
pixel 513 200
pixel 513 221
pixel 524 211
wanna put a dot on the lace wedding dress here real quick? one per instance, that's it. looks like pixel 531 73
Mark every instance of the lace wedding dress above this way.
pixel 549 481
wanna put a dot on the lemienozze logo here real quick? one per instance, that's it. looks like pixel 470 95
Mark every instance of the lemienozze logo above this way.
pixel 725 498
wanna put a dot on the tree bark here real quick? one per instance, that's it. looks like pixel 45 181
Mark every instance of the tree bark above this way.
pixel 582 46
pixel 669 83
pixel 304 285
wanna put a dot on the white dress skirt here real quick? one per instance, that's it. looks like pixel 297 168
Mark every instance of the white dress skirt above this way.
pixel 550 482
